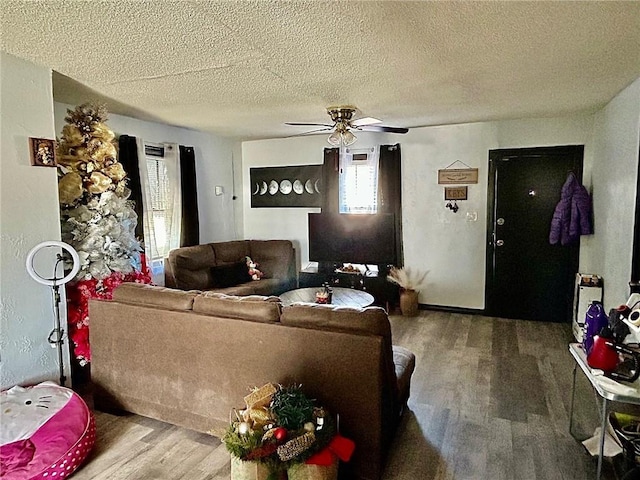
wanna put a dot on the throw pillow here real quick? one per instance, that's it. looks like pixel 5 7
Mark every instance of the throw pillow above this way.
pixel 229 275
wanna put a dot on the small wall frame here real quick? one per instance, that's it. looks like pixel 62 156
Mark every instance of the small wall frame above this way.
pixel 457 176
pixel 455 193
pixel 42 152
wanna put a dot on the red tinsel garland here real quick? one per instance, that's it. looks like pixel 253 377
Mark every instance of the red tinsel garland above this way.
pixel 78 295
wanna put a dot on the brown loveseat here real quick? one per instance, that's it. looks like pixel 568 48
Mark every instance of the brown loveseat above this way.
pixel 213 266
pixel 188 358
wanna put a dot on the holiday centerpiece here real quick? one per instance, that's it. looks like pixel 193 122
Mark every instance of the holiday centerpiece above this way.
pixel 97 219
pixel 281 429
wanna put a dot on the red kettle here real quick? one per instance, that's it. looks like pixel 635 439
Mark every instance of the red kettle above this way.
pixel 607 355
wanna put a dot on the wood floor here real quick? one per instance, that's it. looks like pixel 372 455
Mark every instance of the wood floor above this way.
pixel 489 399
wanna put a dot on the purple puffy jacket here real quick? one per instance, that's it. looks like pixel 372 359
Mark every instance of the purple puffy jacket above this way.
pixel 572 216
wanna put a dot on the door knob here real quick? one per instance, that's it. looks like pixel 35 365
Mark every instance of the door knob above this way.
pixel 499 243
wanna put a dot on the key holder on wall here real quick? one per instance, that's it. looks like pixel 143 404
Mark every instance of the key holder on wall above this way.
pixel 454 194
pixel 449 175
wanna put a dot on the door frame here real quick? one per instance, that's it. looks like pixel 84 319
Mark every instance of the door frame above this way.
pixel 634 281
pixel 494 156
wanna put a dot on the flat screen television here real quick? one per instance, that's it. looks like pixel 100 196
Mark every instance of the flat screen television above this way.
pixel 348 238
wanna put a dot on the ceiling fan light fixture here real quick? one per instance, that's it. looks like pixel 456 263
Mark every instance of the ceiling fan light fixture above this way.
pixel 348 138
pixel 342 137
pixel 335 139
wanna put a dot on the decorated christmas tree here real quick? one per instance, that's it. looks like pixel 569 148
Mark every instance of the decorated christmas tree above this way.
pixel 97 219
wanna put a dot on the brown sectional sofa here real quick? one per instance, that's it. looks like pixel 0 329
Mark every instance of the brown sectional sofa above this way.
pixel 189 357
pixel 203 267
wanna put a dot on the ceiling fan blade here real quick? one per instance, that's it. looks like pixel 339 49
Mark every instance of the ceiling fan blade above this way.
pixel 300 124
pixel 328 128
pixel 365 121
pixel 382 128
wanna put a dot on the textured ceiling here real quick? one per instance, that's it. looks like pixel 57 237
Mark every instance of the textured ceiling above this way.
pixel 243 68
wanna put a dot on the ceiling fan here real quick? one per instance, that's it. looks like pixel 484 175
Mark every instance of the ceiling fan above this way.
pixel 343 123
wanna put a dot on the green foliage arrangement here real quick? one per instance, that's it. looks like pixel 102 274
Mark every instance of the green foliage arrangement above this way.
pixel 284 429
pixel 292 408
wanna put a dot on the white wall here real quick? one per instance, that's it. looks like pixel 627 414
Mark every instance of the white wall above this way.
pixel 213 154
pixel 29 214
pixel 447 245
pixel 615 169
pixel 279 223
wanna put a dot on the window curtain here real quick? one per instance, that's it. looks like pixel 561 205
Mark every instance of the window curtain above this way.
pixel 331 181
pixel 190 231
pixel 363 174
pixel 389 187
pixel 390 191
pixel 161 229
pixel 128 157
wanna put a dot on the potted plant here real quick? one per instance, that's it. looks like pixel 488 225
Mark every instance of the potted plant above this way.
pixel 409 283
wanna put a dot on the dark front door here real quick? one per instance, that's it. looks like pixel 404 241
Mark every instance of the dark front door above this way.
pixel 527 278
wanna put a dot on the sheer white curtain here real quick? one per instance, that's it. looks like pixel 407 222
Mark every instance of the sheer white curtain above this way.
pixel 161 203
pixel 358 181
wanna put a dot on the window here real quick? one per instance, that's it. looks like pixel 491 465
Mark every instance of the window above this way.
pixel 161 202
pixel 161 209
pixel 358 185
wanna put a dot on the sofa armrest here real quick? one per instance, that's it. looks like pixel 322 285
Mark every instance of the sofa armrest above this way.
pixel 169 277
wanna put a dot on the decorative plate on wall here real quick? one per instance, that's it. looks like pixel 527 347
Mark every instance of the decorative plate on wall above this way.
pixel 295 186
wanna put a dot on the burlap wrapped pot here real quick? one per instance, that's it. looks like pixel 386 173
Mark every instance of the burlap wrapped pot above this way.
pixel 303 471
pixel 252 471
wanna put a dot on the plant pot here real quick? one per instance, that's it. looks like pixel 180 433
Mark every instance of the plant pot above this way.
pixel 409 303
pixel 241 470
pixel 303 471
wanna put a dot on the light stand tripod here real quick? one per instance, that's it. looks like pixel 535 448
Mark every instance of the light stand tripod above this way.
pixel 56 337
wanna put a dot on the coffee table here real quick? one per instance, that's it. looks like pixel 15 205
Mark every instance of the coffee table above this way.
pixel 343 297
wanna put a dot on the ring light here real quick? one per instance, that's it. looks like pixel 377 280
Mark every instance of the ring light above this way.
pixel 56 337
pixel 53 281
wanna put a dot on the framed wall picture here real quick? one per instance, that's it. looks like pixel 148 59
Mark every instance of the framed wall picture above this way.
pixel 42 152
pixel 294 186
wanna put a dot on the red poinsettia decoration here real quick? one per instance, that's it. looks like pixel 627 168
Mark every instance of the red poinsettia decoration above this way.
pixel 78 295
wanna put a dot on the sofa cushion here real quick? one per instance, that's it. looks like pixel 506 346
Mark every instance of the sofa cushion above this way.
pixel 274 257
pixel 154 296
pixel 229 274
pixel 359 321
pixel 190 266
pixel 255 308
pixel 362 321
pixel 231 252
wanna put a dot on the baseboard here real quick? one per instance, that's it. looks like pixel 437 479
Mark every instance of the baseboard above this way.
pixel 444 308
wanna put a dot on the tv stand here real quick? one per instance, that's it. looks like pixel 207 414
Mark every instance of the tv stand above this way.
pixel 385 293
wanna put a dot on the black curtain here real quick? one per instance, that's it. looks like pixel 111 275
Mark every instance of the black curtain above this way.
pixel 389 187
pixel 390 191
pixel 331 181
pixel 128 157
pixel 190 227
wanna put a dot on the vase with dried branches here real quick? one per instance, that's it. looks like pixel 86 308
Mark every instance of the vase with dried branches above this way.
pixel 409 282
